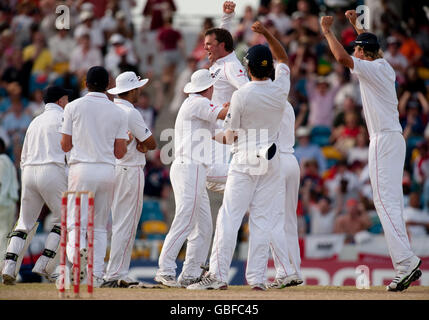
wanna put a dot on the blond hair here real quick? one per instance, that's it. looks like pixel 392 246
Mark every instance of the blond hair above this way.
pixel 371 54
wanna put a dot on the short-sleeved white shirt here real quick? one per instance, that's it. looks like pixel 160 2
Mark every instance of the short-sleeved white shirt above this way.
pixel 42 143
pixel 379 100
pixel 138 129
pixel 287 130
pixel 94 122
pixel 259 105
pixel 232 76
pixel 196 118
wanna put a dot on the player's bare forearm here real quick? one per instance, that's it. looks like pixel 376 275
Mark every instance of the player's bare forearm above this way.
pixel 337 49
pixel 276 47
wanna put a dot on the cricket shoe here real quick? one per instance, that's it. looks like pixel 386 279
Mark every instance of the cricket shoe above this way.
pixel 208 282
pixel 97 282
pixel 407 272
pixel 259 287
pixel 289 281
pixel 185 282
pixel 83 263
pixel 168 281
pixel 8 273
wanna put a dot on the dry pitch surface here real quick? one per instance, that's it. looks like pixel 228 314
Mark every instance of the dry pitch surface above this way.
pixel 49 292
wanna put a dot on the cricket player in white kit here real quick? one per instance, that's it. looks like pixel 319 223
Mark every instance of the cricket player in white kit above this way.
pixel 95 131
pixel 253 175
pixel 387 144
pixel 43 180
pixel 129 181
pixel 194 128
pixel 232 75
pixel 218 43
pixel 286 229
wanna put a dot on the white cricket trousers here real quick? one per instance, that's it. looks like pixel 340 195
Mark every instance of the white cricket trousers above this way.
pixel 98 178
pixel 245 192
pixel 126 211
pixel 41 184
pixel 285 232
pixel 192 221
pixel 386 168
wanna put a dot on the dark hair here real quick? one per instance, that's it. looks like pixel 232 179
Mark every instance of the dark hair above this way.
pixel 2 146
pixel 96 88
pixel 222 35
pixel 261 73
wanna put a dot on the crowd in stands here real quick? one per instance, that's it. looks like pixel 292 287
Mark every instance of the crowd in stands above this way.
pixel 331 136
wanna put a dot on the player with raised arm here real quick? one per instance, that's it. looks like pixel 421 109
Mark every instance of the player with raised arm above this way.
pixel 387 145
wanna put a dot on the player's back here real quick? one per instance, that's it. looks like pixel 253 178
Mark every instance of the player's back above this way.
pixel 95 124
pixel 379 100
pixel 43 138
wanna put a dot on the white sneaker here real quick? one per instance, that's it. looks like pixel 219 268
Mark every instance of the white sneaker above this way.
pixel 407 272
pixel 289 281
pixel 259 287
pixel 8 273
pixel 185 282
pixel 168 281
pixel 208 282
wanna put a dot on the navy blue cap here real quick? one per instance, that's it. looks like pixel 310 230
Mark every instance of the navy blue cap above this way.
pixel 259 57
pixel 98 77
pixel 54 93
pixel 367 41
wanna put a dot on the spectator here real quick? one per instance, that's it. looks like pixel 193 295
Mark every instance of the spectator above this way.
pixel 16 121
pixel 349 105
pixel 277 15
pixel 21 24
pixel 171 48
pixel 120 49
pixel 38 52
pixel 409 47
pixel 321 213
pixel 398 62
pixel 84 56
pixel 306 150
pixel 182 80
pixel 244 28
pixel 311 178
pixel 344 137
pixel 8 197
pixel 148 111
pixel 359 152
pixel 89 24
pixel 321 100
pixel 343 182
pixel 61 46
pixel 416 220
pixel 354 220
pixel 199 52
pixel 17 71
pixel 311 21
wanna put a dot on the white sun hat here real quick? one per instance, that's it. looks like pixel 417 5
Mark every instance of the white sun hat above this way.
pixel 201 80
pixel 127 81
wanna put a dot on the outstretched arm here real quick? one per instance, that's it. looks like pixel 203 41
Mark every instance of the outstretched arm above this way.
pixel 351 15
pixel 337 49
pixel 276 47
pixel 228 15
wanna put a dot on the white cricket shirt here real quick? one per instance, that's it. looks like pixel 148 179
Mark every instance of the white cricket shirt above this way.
pixel 138 129
pixel 94 122
pixel 42 143
pixel 377 88
pixel 194 128
pixel 258 107
pixel 287 130
pixel 232 76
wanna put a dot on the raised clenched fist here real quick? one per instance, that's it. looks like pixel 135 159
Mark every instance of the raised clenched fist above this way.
pixel 228 7
pixel 326 23
pixel 258 27
pixel 352 16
